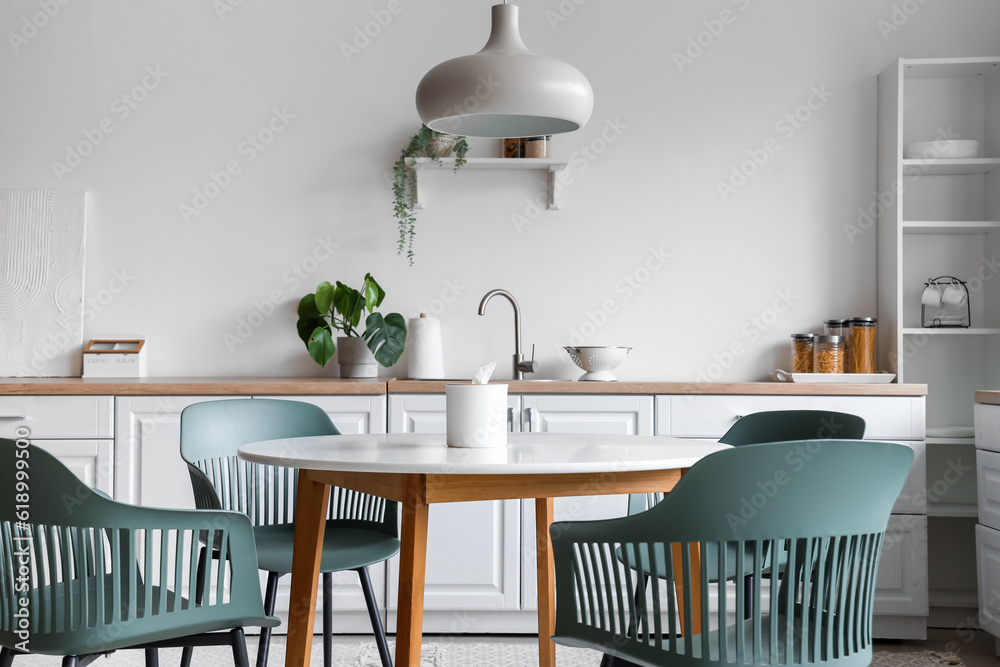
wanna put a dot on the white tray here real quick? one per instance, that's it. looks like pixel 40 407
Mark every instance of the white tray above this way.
pixel 848 378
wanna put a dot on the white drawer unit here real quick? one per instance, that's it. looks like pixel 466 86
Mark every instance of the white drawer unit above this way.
pixel 886 417
pixel 57 416
pixel 988 571
pixel 987 427
pixel 901 583
pixel 988 487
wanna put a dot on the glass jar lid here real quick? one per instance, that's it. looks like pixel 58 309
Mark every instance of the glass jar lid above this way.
pixel 829 339
pixel 808 336
pixel 864 321
pixel 835 323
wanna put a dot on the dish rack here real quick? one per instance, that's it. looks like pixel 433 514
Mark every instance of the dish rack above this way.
pixel 946 316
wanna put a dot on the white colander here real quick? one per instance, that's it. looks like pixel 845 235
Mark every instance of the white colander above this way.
pixel 597 360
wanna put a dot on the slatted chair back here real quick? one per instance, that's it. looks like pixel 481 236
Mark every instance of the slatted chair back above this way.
pixel 826 501
pixel 212 433
pixel 776 426
pixel 81 573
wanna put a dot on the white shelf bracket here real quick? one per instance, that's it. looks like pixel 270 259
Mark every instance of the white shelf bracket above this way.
pixel 553 183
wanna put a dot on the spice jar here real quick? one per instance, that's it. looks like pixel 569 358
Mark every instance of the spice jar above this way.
pixel 537 146
pixel 513 147
pixel 864 337
pixel 828 354
pixel 802 353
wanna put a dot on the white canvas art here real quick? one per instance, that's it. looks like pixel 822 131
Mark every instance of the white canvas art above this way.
pixel 41 282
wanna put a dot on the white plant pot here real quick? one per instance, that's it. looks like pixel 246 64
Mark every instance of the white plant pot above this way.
pixel 356 360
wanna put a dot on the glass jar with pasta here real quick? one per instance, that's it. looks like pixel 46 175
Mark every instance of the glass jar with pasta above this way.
pixel 802 353
pixel 864 336
pixel 828 354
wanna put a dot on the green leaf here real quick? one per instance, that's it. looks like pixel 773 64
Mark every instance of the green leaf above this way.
pixel 308 324
pixel 321 345
pixel 324 297
pixel 385 337
pixel 350 304
pixel 307 306
pixel 373 293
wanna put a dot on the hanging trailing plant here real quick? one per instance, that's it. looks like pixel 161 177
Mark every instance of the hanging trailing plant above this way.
pixel 426 142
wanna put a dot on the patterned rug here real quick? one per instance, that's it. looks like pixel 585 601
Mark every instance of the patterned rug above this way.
pixel 503 653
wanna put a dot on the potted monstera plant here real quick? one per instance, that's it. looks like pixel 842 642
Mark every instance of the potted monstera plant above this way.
pixel 339 307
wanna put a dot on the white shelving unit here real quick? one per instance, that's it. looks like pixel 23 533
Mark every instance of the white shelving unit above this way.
pixel 942 217
pixel 549 166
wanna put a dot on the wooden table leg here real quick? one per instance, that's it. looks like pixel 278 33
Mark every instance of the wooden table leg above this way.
pixel 310 523
pixel 412 565
pixel 694 549
pixel 546 582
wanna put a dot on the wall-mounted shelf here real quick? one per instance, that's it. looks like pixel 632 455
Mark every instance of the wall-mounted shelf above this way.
pixel 548 165
pixel 950 167
pixel 945 331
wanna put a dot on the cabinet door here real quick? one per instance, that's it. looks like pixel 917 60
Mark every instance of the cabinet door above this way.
pixel 901 583
pixel 628 415
pixel 352 415
pixel 90 460
pixel 473 549
pixel 151 471
pixel 988 566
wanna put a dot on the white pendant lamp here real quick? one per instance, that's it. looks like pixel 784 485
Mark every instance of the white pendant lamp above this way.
pixel 504 90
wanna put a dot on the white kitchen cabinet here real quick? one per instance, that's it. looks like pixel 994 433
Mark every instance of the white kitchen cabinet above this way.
pixel 901 601
pixel 941 217
pixel 153 474
pixel 473 549
pixel 604 414
pixel 988 528
pixel 77 430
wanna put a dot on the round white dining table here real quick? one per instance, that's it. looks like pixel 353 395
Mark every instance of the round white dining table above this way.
pixel 420 469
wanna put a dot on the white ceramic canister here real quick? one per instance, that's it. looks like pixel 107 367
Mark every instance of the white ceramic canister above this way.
pixel 476 415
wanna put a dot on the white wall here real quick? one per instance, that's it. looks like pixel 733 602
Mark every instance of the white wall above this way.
pixel 188 285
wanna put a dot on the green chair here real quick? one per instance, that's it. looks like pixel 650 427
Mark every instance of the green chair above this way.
pixel 82 575
pixel 826 501
pixel 756 428
pixel 361 529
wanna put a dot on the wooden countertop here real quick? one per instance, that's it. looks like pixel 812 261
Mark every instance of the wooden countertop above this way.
pixel 988 396
pixel 707 388
pixel 319 386
pixel 261 386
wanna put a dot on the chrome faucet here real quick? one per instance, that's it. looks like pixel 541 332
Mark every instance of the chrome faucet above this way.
pixel 520 365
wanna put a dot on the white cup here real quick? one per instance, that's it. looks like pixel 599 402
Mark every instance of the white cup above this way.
pixel 476 415
pixel 954 295
pixel 931 296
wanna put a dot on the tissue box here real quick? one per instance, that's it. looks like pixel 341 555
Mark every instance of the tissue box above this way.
pixel 476 415
pixel 118 357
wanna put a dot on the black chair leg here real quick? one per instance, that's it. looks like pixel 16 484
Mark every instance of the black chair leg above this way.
pixel 69 661
pixel 748 596
pixel 327 619
pixel 380 641
pixel 152 658
pixel 270 593
pixel 6 657
pixel 188 651
pixel 239 643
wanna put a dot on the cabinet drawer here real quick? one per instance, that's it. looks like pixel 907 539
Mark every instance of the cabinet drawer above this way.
pixel 57 416
pixel 988 487
pixel 987 426
pixel 901 584
pixel 886 417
